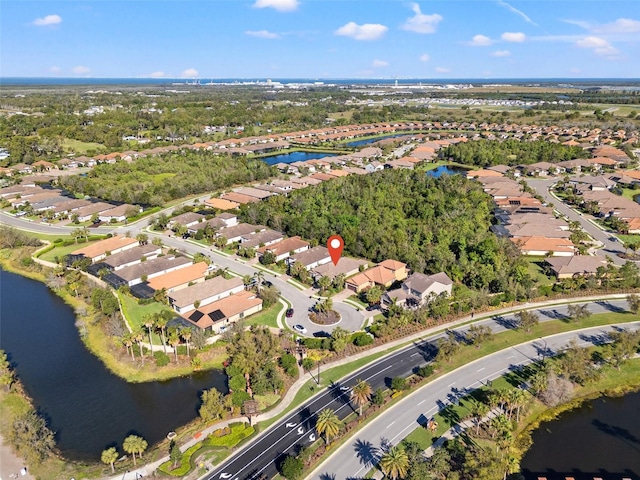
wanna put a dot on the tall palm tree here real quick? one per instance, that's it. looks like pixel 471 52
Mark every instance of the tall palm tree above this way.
pixel 109 457
pixel 395 463
pixel 185 333
pixel 360 394
pixel 138 335
pixel 174 341
pixel 161 324
pixel 134 444
pixel 328 424
pixel 479 410
pixel 149 322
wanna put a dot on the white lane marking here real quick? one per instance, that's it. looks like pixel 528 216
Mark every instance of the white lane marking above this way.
pixel 452 384
pixel 225 475
pixel 420 403
pixel 415 354
pixel 391 424
pixel 511 356
pixel 291 425
pixel 480 369
pixel 300 431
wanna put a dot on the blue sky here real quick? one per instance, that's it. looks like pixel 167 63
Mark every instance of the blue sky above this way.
pixel 320 39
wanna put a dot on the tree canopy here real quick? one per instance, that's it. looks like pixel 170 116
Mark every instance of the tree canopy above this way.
pixel 432 224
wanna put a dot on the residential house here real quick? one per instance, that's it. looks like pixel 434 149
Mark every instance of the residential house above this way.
pixel 285 248
pixel 204 293
pixel 186 219
pixel 119 213
pixel 109 246
pixel 346 266
pixel 311 258
pixel 235 233
pixel 384 274
pixel 577 265
pixel 260 239
pixel 221 204
pixel 418 288
pixel 132 256
pixel 180 279
pixel 145 271
pixel 221 314
pixel 542 246
pixel 373 167
pixel 85 213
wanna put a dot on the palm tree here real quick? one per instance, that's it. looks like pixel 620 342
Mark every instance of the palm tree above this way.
pixel 328 424
pixel 174 341
pixel 395 463
pixel 142 238
pixel 479 410
pixel 360 394
pixel 259 278
pixel 161 324
pixel 149 321
pixel 109 457
pixel 138 335
pixel 519 400
pixel 185 333
pixel 134 444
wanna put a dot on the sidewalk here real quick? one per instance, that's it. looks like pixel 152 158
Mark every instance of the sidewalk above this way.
pixel 295 388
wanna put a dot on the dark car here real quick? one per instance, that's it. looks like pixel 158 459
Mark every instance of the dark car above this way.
pixel 289 313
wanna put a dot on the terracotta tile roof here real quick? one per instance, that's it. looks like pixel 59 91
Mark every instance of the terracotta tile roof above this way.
pixel 285 246
pixel 179 277
pixel 544 244
pixel 103 246
pixel 392 265
pixel 222 204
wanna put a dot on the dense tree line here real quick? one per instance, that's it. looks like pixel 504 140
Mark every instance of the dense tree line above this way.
pixel 485 153
pixel 156 180
pixel 431 224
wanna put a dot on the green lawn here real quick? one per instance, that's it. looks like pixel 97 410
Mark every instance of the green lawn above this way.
pixel 79 147
pixel 60 252
pixel 630 193
pixel 266 317
pixel 536 271
pixel 633 238
pixel 135 313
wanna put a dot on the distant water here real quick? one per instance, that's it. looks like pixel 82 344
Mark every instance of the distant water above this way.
pixel 203 82
pixel 296 157
pixel 599 439
pixel 367 141
pixel 445 170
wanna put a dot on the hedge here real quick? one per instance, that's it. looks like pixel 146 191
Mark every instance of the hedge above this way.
pixel 185 464
pixel 238 433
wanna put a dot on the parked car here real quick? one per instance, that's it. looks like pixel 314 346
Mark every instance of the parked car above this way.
pixel 300 328
pixel 289 313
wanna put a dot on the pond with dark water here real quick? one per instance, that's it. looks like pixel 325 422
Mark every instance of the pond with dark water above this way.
pixel 367 141
pixel 296 157
pixel 599 439
pixel 87 407
pixel 446 170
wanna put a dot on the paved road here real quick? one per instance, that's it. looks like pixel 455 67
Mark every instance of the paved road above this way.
pixel 260 457
pixel 611 248
pixel 300 301
pixel 357 456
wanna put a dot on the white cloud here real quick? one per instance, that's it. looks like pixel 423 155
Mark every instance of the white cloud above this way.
pixel 262 34
pixel 55 69
pixel 442 70
pixel 515 37
pixel 158 74
pixel 480 41
pixel 501 53
pixel 425 57
pixel 190 72
pixel 48 20
pixel 280 5
pixel 621 25
pixel 599 46
pixel 421 23
pixel 80 70
pixel 367 31
pixel 379 64
pixel 520 13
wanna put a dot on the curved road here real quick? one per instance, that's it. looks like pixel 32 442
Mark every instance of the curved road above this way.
pixel 259 458
pixel 611 248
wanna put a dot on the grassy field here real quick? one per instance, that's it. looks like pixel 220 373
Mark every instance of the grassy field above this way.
pixel 70 145
pixel 60 252
pixel 135 314
pixel 537 272
pixel 266 317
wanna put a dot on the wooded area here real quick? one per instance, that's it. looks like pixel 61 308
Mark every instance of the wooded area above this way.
pixel 156 180
pixel 486 153
pixel 431 224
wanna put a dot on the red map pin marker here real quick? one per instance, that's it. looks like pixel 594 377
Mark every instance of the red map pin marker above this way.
pixel 335 245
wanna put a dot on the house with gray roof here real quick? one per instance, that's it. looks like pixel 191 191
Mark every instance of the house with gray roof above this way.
pixel 204 293
pixel 418 289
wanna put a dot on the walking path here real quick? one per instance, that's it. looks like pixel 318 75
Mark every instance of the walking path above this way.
pixel 295 388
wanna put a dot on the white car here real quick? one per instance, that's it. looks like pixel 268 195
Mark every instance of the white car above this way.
pixel 300 328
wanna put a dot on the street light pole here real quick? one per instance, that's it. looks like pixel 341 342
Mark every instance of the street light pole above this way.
pixel 318 380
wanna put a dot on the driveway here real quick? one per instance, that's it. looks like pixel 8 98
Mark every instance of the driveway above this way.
pixel 611 248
